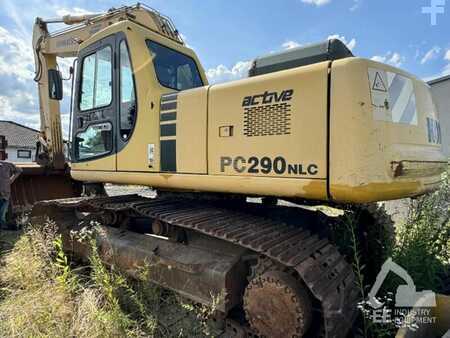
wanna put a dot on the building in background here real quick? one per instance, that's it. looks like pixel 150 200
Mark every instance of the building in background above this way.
pixel 21 141
pixel 440 88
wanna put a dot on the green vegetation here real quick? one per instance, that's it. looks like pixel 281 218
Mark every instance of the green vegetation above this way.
pixel 421 246
pixel 423 241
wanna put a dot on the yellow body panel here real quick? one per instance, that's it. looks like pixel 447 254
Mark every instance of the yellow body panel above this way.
pixel 313 132
pixel 192 131
pixel 364 150
pixel 302 143
pixel 256 186
pixel 103 164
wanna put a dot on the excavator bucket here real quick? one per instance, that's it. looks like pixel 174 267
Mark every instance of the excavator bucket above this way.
pixel 38 183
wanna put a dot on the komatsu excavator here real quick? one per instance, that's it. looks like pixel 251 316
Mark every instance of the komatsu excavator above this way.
pixel 313 126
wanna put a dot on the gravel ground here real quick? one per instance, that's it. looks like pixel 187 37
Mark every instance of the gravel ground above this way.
pixel 115 190
pixel 398 209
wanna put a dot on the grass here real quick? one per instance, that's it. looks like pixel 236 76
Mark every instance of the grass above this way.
pixel 43 295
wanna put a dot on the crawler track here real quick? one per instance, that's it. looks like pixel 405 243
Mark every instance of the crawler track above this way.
pixel 322 268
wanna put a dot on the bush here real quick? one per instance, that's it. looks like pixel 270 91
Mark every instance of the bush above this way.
pixel 423 241
pixel 421 246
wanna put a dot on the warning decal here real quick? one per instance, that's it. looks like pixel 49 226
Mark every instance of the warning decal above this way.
pixel 393 97
pixel 378 83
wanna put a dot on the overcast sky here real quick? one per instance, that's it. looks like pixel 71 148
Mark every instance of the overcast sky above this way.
pixel 228 34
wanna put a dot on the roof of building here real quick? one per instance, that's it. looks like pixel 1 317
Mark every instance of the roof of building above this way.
pixel 18 135
pixel 438 80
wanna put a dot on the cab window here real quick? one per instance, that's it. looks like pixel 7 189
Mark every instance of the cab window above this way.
pixel 127 93
pixel 95 141
pixel 96 80
pixel 173 69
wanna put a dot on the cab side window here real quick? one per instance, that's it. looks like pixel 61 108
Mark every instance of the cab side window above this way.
pixel 96 80
pixel 173 69
pixel 127 93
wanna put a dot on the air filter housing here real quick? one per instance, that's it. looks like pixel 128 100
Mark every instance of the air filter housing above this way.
pixel 330 50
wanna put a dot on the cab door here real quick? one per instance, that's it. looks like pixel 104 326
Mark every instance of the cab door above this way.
pixel 95 108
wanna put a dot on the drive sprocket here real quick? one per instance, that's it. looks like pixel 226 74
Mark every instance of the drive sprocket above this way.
pixel 277 305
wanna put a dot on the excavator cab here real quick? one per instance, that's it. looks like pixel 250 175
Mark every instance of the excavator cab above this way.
pixel 105 102
pixel 116 107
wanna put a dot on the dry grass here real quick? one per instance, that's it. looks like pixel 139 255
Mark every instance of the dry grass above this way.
pixel 33 303
pixel 42 295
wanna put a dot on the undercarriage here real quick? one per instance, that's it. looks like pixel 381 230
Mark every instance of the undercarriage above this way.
pixel 274 271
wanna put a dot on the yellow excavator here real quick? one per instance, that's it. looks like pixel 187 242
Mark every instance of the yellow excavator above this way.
pixel 312 126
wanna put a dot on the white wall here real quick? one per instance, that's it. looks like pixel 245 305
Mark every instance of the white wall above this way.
pixel 12 155
pixel 441 96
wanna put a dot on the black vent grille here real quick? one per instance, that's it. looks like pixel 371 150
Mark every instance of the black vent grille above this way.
pixel 274 119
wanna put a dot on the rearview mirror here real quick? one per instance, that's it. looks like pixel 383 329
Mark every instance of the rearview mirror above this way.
pixel 55 86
